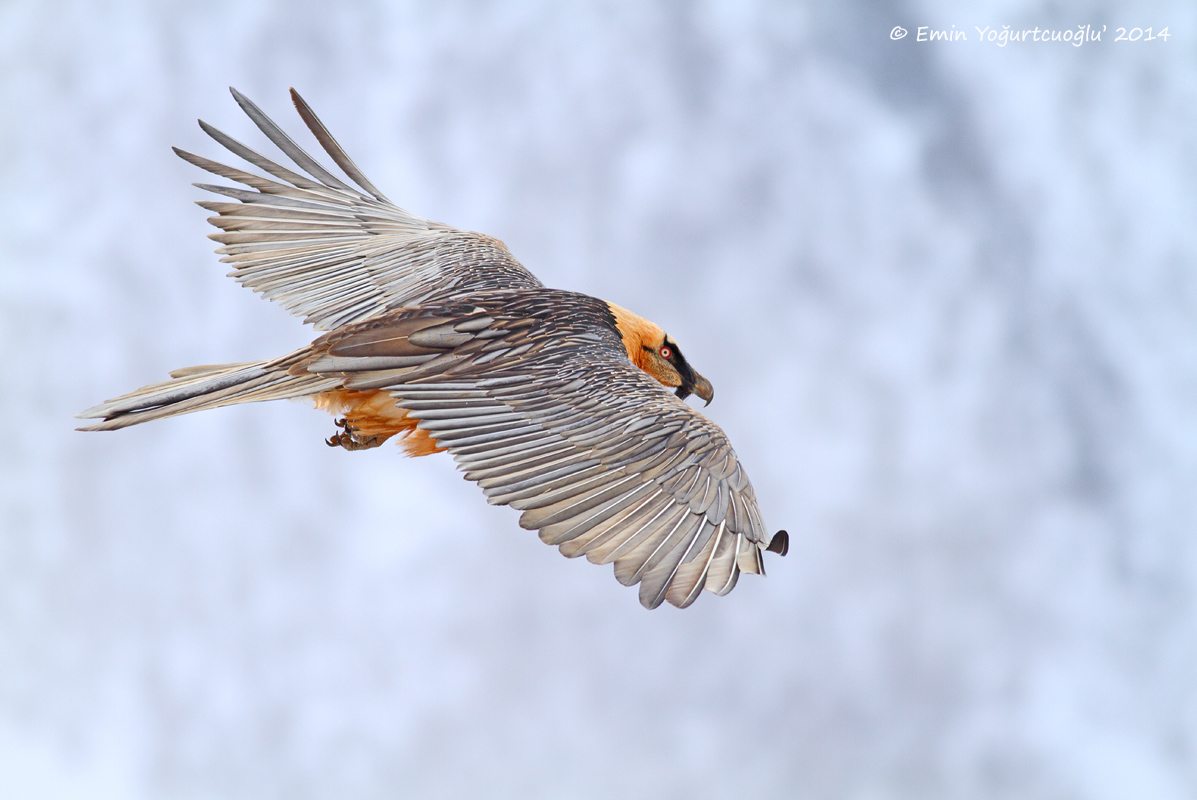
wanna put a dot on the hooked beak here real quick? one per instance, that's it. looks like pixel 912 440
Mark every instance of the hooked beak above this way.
pixel 699 386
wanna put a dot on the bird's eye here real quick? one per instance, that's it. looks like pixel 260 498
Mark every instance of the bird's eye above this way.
pixel 666 352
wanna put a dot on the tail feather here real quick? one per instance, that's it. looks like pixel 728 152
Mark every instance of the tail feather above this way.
pixel 206 369
pixel 204 387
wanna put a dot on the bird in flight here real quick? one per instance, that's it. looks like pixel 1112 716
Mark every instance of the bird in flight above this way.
pixel 555 403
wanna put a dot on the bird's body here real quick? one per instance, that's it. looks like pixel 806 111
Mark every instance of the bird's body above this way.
pixel 554 402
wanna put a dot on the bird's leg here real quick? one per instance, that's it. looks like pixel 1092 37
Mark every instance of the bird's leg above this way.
pixel 350 439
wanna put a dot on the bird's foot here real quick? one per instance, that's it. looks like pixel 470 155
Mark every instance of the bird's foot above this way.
pixel 351 439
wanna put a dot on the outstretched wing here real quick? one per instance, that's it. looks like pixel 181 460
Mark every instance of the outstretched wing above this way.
pixel 539 405
pixel 330 252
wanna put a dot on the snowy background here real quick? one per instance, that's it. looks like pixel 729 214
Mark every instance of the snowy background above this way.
pixel 947 295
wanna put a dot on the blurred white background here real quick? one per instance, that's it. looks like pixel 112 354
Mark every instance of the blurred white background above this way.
pixel 946 294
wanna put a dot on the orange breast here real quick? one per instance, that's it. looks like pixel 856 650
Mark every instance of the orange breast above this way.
pixel 375 413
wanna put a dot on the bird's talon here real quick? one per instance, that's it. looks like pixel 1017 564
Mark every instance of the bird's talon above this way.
pixel 351 439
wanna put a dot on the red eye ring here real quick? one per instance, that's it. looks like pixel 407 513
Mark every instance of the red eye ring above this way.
pixel 666 352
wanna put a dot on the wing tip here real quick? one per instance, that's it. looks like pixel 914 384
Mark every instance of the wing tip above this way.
pixel 651 601
pixel 780 543
pixel 301 106
pixel 209 129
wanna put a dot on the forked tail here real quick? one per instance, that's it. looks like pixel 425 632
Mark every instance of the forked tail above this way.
pixel 200 388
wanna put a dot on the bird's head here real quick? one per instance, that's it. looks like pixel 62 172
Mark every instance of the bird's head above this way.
pixel 655 352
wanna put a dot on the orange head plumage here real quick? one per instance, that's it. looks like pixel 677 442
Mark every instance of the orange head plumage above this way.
pixel 651 349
